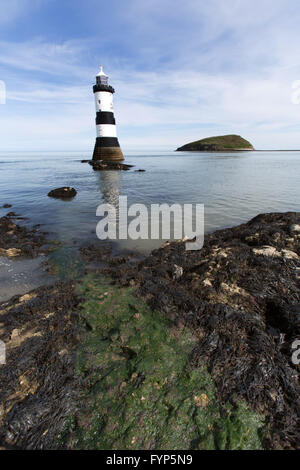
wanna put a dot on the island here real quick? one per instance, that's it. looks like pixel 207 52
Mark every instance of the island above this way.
pixel 222 143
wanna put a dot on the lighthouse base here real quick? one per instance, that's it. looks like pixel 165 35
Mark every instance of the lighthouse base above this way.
pixel 104 151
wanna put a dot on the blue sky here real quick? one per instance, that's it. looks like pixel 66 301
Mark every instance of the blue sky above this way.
pixel 181 70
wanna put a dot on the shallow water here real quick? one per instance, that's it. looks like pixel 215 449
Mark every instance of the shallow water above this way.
pixel 20 276
pixel 233 187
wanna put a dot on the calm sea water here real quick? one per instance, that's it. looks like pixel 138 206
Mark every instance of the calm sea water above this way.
pixel 233 187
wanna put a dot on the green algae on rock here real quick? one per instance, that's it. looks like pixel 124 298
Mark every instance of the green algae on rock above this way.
pixel 65 263
pixel 139 390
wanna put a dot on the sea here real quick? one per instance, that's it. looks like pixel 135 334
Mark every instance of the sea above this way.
pixel 232 186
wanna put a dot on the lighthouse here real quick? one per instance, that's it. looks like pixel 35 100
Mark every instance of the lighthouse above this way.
pixel 107 146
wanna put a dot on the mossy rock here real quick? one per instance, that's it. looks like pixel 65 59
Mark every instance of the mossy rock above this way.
pixel 139 388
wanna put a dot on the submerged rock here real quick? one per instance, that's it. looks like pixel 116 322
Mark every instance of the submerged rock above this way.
pixel 6 206
pixel 63 193
pixel 11 214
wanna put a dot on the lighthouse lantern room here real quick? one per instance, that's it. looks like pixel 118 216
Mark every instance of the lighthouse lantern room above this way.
pixel 107 146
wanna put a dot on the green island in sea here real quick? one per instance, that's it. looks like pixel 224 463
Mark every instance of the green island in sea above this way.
pixel 221 143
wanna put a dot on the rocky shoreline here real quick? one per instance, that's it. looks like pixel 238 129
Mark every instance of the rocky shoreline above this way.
pixel 18 241
pixel 239 297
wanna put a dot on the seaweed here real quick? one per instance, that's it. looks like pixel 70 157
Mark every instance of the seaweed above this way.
pixel 240 295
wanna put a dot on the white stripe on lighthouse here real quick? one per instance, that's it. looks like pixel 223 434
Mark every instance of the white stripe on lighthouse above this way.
pixel 106 130
pixel 104 101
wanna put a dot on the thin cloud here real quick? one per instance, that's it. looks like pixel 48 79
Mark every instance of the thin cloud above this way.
pixel 13 10
pixel 181 72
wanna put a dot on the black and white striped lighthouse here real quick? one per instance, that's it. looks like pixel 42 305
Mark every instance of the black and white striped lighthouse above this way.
pixel 107 146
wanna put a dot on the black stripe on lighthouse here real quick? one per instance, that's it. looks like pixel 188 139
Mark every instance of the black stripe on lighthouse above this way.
pixel 105 117
pixel 107 142
pixel 99 87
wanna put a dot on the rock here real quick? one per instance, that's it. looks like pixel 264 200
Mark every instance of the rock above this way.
pixel 288 254
pixel 295 228
pixel 10 252
pixel 267 251
pixel 139 171
pixel 6 206
pixel 271 251
pixel 177 272
pixel 63 193
pixel 201 400
pixel 85 161
pixel 16 241
pixel 109 165
pixel 96 253
pixel 11 214
pixel 223 143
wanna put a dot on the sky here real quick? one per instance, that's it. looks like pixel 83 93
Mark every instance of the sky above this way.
pixel 182 71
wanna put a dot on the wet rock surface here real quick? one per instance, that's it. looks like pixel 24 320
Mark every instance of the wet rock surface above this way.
pixel 63 193
pixel 12 214
pixel 240 295
pixel 38 383
pixel 18 241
